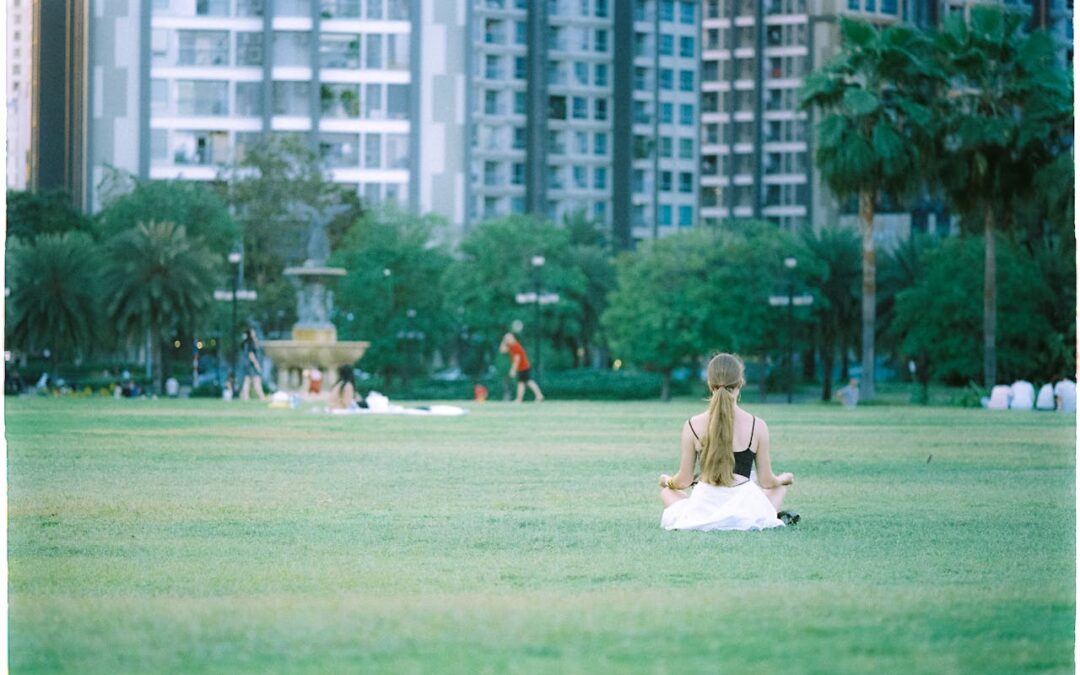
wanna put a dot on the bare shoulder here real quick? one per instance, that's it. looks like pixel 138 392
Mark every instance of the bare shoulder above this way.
pixel 699 422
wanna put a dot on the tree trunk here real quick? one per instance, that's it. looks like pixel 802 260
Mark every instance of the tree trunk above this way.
pixel 665 386
pixel 869 294
pixel 158 358
pixel 828 356
pixel 989 302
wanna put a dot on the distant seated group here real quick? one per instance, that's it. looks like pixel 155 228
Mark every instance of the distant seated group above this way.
pixel 1020 395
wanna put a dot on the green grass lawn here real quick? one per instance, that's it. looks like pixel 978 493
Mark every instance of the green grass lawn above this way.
pixel 201 536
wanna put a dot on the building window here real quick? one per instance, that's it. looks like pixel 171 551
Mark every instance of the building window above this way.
pixel 557 107
pixel 520 32
pixel 397 101
pixel 686 182
pixel 292 99
pixel 249 49
pixel 373 51
pixel 581 72
pixel 665 181
pixel 340 150
pixel 666 147
pixel 686 148
pixel 600 109
pixel 159 97
pixel 667 10
pixel 491 103
pixel 581 142
pixel 666 79
pixel 521 67
pixel 519 138
pixel 686 12
pixel 202 97
pixel 686 216
pixel 667 111
pixel 339 50
pixel 600 178
pixel 637 181
pixel 665 215
pixel 686 47
pixel 203 48
pixel 601 42
pixel 686 80
pixel 600 75
pixel 667 44
pixel 517 175
pixel 600 144
pixel 492 71
pixel 579 177
pixel 686 114
pixel 601 8
pixel 519 103
pixel 292 49
pixel 249 99
pixel 372 151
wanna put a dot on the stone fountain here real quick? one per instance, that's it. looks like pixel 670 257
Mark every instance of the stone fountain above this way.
pixel 314 342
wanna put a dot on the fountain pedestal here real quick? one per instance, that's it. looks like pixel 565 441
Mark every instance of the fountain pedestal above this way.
pixel 314 342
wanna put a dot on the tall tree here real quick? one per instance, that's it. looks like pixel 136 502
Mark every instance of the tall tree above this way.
pixel 393 266
pixel 32 213
pixel 496 264
pixel 873 137
pixel 836 306
pixel 54 293
pixel 195 206
pixel 936 320
pixel 1007 116
pixel 681 297
pixel 156 279
pixel 265 187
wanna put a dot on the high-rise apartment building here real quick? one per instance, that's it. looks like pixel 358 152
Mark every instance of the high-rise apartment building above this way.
pixel 17 63
pixel 181 87
pixel 755 140
pixel 585 107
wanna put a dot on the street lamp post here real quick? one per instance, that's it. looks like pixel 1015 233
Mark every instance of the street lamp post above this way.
pixel 537 263
pixel 234 259
pixel 790 264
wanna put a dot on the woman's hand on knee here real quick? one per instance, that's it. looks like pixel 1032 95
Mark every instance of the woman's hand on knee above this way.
pixel 786 478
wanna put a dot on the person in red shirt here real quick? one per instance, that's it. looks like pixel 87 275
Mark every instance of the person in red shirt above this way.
pixel 520 367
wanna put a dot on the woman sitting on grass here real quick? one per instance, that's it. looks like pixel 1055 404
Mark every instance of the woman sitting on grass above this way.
pixel 725 498
pixel 343 393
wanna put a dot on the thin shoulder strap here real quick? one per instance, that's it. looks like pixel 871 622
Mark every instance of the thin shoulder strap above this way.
pixel 691 425
pixel 752 425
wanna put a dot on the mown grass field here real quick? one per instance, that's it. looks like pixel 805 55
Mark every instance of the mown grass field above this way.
pixel 200 536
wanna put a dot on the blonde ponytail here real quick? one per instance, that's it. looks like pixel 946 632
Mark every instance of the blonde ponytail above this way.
pixel 717 455
pixel 717 459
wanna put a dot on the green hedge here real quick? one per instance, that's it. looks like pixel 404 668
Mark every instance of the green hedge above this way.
pixel 588 384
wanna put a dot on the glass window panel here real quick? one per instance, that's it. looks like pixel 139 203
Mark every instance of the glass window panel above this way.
pixel 292 48
pixel 373 151
pixel 292 98
pixel 339 50
pixel 202 97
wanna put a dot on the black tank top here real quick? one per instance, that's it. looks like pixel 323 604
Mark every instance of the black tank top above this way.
pixel 744 459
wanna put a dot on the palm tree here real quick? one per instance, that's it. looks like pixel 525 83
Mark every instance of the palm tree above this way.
pixel 54 293
pixel 1008 114
pixel 871 143
pixel 837 308
pixel 156 278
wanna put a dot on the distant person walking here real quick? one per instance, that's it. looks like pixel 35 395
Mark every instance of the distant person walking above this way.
pixel 250 366
pixel 725 498
pixel 849 395
pixel 520 367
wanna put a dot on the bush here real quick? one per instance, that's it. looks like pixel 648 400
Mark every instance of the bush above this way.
pixel 604 385
pixel 207 390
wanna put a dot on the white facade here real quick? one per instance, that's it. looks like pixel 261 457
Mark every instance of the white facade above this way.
pixel 17 64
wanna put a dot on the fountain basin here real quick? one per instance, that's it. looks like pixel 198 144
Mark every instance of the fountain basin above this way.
pixel 292 357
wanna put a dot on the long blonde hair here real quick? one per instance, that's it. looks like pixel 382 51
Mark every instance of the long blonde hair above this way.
pixel 717 458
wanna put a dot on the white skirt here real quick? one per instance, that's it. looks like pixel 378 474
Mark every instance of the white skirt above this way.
pixel 710 507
